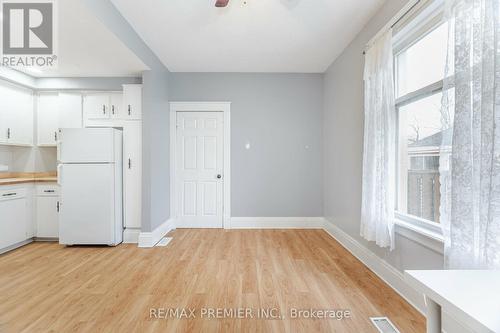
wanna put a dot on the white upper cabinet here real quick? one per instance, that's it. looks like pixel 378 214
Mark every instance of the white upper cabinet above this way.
pixel 132 101
pixel 16 115
pixel 47 118
pixel 96 106
pixel 3 114
pixel 54 111
pixel 70 110
pixel 103 105
pixel 116 105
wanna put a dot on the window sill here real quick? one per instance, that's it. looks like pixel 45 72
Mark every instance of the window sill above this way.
pixel 431 239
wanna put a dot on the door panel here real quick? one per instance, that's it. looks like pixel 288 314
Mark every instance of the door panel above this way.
pixel 47 118
pixel 20 117
pixel 70 110
pixel 117 111
pixel 199 156
pixel 46 217
pixel 96 106
pixel 132 161
pixel 132 101
pixel 13 222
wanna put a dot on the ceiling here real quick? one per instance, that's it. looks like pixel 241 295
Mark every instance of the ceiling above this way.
pixel 296 36
pixel 87 48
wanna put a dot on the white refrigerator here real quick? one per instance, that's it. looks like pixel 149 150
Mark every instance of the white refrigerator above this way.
pixel 90 180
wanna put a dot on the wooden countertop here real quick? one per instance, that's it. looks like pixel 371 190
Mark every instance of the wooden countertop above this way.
pixel 12 178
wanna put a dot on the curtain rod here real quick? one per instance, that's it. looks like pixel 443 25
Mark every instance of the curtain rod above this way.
pixel 395 20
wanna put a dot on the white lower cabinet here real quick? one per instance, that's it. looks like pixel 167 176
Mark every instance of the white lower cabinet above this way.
pixel 46 211
pixel 28 211
pixel 14 217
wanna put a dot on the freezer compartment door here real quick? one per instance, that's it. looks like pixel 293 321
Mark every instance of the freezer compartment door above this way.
pixel 87 211
pixel 86 145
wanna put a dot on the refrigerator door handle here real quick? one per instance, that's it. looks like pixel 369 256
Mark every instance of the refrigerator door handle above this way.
pixel 58 149
pixel 59 174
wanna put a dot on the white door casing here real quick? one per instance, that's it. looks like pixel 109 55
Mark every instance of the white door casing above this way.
pixel 199 164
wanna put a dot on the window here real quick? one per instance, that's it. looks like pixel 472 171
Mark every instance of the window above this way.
pixel 423 62
pixel 419 70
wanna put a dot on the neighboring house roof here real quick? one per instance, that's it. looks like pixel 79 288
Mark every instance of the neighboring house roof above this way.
pixel 435 140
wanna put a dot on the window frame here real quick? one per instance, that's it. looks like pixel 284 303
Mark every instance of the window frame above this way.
pixel 417 28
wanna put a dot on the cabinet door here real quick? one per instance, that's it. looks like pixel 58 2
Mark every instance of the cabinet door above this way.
pixel 132 158
pixel 4 110
pixel 132 100
pixel 47 119
pixel 13 222
pixel 70 110
pixel 116 105
pixel 47 217
pixel 96 106
pixel 19 117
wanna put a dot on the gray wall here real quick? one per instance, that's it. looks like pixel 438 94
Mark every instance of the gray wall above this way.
pixel 280 116
pixel 155 183
pixel 343 153
pixel 155 150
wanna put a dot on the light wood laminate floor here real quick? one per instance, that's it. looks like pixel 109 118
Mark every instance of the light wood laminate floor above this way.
pixel 48 287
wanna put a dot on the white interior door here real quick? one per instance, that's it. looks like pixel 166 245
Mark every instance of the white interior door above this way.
pixel 199 169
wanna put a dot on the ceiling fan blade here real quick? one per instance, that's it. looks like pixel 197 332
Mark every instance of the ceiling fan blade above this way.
pixel 221 3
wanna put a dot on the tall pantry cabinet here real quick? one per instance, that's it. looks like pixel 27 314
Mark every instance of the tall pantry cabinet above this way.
pixel 123 110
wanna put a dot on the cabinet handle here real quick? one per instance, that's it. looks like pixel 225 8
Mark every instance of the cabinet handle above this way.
pixel 55 136
pixel 129 109
pixel 8 133
pixel 129 163
pixel 58 206
pixel 48 191
pixel 9 194
pixel 104 109
pixel 112 109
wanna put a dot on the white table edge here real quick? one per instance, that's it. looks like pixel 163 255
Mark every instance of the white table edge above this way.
pixel 457 314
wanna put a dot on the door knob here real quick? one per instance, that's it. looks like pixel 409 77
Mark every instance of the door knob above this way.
pixel 219 176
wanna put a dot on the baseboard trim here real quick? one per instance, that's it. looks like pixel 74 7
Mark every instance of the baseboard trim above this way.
pixel 149 239
pixel 46 239
pixel 390 275
pixel 131 235
pixel 15 246
pixel 276 223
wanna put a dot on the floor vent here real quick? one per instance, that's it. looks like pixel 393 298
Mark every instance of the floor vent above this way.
pixel 164 241
pixel 384 325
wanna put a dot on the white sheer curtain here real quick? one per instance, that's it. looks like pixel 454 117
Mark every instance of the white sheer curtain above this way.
pixel 470 177
pixel 377 208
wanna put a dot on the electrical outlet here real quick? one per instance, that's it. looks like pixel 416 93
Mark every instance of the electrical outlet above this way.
pixel 4 168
